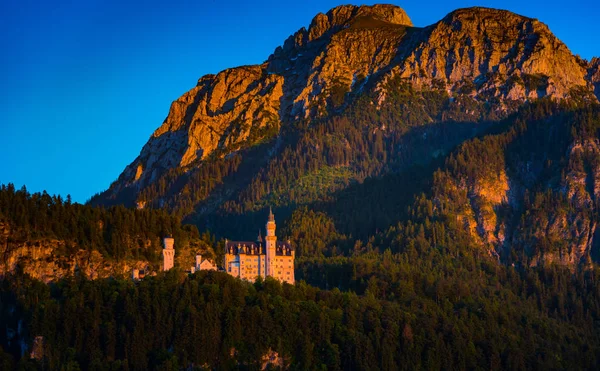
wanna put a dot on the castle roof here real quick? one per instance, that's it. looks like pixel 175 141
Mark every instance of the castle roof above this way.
pixel 283 248
pixel 254 248
pixel 244 247
pixel 271 216
pixel 257 248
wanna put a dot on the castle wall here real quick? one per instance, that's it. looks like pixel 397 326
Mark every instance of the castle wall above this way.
pixel 283 268
pixel 252 266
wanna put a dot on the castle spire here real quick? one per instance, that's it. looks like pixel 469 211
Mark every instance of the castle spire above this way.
pixel 270 244
pixel 259 236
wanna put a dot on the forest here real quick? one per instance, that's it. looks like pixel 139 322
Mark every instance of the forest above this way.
pixel 118 233
pixel 394 265
pixel 419 295
pixel 403 318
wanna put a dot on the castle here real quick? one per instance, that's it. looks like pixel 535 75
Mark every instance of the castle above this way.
pixel 249 260
pixel 168 254
pixel 246 260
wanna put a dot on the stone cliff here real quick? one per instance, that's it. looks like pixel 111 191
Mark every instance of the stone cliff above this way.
pixel 41 260
pixel 49 259
pixel 538 203
pixel 221 112
pixel 594 75
pixel 489 53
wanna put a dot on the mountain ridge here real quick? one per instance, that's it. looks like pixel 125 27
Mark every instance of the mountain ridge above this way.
pixel 359 94
pixel 223 110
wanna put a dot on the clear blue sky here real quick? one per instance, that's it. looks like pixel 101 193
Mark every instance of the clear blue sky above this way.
pixel 85 83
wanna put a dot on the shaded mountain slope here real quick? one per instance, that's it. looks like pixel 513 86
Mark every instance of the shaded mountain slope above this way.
pixel 528 194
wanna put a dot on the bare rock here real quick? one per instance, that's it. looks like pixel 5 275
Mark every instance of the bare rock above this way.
pixel 221 112
pixel 594 75
pixel 498 53
pixel 341 16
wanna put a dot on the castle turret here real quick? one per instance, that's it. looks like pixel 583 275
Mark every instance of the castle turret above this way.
pixel 271 243
pixel 198 262
pixel 168 253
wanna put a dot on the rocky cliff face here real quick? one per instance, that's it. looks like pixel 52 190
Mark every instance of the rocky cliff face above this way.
pixel 594 75
pixel 489 53
pixel 477 200
pixel 562 229
pixel 42 260
pixel 49 260
pixel 540 203
pixel 221 112
pixel 485 53
pixel 45 260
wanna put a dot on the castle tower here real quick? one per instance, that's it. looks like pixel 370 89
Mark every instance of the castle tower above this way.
pixel 270 242
pixel 168 253
pixel 198 262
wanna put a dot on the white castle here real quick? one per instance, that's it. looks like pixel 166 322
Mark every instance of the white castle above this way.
pixel 249 260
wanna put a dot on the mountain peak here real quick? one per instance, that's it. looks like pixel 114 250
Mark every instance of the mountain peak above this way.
pixel 481 12
pixel 344 15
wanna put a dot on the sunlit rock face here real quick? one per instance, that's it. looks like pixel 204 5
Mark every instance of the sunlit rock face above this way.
pixel 594 75
pixel 492 53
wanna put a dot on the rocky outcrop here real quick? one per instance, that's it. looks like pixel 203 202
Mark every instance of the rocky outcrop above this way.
pixel 43 260
pixel 488 194
pixel 342 16
pixel 481 199
pixel 221 112
pixel 581 185
pixel 553 224
pixel 594 75
pixel 489 53
pixel 272 360
pixel 320 72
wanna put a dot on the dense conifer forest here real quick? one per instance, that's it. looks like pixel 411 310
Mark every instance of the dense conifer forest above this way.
pixel 435 314
pixel 419 295
pixel 116 232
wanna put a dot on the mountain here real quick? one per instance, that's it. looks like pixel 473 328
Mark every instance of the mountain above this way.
pixel 440 185
pixel 362 112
